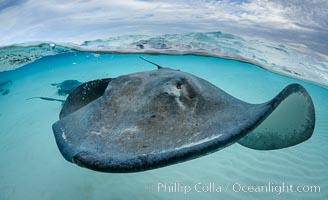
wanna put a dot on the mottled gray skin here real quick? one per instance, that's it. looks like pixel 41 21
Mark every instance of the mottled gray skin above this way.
pixel 66 87
pixel 152 119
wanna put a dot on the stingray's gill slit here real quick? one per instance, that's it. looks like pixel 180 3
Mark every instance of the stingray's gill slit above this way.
pixel 106 124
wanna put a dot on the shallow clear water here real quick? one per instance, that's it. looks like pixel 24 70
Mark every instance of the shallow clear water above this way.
pixel 31 166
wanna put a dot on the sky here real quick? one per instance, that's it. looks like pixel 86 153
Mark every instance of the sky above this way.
pixel 293 21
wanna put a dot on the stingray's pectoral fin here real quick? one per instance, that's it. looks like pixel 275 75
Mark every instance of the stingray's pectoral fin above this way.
pixel 83 95
pixel 290 122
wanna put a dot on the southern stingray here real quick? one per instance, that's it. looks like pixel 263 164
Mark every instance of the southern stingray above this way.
pixel 66 86
pixel 4 87
pixel 152 119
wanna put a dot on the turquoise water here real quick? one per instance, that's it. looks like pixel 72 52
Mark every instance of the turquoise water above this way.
pixel 31 166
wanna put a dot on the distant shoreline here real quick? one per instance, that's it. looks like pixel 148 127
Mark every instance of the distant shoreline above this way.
pixel 42 49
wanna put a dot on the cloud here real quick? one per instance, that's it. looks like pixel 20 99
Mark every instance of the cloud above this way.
pixel 78 20
pixel 313 14
pixel 8 3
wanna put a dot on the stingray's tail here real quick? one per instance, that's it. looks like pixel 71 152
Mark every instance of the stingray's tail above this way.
pixel 47 99
pixel 158 66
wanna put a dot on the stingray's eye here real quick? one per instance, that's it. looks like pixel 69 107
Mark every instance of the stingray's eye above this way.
pixel 179 85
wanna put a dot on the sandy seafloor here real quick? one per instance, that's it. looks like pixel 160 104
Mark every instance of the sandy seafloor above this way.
pixel 31 166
